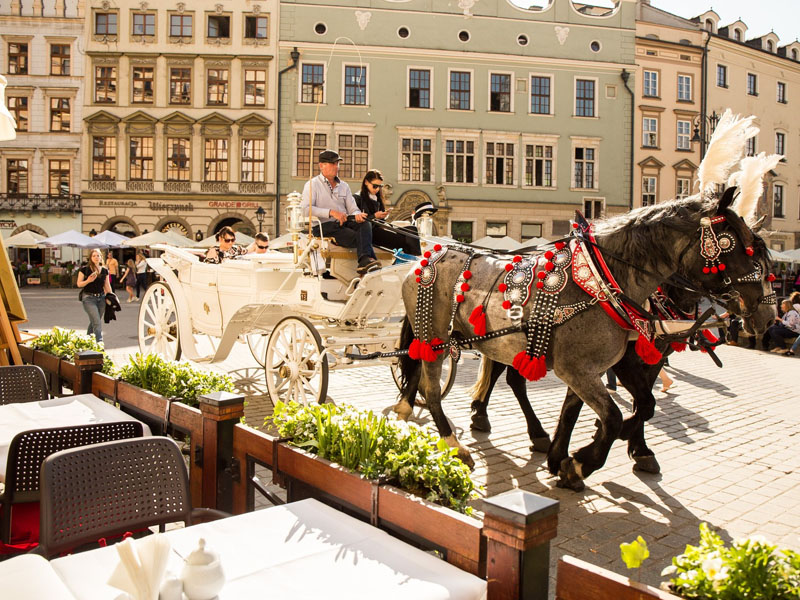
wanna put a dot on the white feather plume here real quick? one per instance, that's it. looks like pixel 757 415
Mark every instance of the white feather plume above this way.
pixel 749 179
pixel 725 149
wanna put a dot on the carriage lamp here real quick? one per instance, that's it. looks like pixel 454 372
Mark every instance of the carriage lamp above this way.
pixel 425 225
pixel 294 218
pixel 260 214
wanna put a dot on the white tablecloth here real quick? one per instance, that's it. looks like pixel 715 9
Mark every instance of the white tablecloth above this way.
pixel 83 409
pixel 300 550
pixel 31 577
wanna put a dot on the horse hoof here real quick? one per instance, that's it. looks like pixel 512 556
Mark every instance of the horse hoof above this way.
pixel 568 477
pixel 481 423
pixel 403 410
pixel 541 444
pixel 467 459
pixel 647 464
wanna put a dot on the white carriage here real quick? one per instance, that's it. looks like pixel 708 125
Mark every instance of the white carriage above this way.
pixel 301 308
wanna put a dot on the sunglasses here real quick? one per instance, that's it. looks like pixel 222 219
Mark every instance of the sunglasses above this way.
pixel 229 240
pixel 377 186
pixel 261 247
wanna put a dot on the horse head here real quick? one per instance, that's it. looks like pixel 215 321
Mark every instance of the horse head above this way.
pixel 733 265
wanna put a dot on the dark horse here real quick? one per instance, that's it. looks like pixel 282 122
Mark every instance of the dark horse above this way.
pixel 644 247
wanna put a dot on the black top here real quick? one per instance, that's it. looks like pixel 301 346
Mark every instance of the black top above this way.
pixel 368 205
pixel 96 286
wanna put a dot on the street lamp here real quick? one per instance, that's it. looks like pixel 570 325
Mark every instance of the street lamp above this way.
pixel 198 237
pixel 704 126
pixel 260 214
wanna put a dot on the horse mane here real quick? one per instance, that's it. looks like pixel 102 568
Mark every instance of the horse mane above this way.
pixel 642 236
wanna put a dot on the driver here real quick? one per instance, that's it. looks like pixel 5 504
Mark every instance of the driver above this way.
pixel 332 202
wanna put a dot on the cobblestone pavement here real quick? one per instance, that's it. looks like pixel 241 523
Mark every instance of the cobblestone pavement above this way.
pixel 726 440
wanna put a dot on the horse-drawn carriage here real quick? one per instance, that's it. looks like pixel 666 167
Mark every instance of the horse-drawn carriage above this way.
pixel 300 307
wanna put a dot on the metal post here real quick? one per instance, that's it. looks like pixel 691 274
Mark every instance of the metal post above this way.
pixel 518 526
pixel 221 411
pixel 86 362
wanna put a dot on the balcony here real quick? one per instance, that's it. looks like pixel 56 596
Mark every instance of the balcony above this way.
pixel 40 202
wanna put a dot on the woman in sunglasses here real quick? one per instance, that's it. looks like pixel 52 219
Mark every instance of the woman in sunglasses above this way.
pixel 370 200
pixel 226 248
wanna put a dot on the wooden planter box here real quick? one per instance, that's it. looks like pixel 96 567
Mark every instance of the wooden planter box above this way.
pixel 579 580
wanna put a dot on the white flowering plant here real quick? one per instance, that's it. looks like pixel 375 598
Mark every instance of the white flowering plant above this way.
pixel 412 457
pixel 749 568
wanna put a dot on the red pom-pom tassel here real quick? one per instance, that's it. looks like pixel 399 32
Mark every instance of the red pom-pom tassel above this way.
pixel 678 346
pixel 502 287
pixel 560 245
pixel 509 266
pixel 549 266
pixel 459 297
pixel 478 320
pixel 465 287
pixel 541 274
pixel 749 251
pixel 467 274
pixel 417 271
pixel 549 255
pixel 427 254
pixel 647 351
pixel 437 247
pixel 771 277
pixel 413 349
pixel 506 304
pixel 706 270
pixel 540 284
pixel 517 258
pixel 419 279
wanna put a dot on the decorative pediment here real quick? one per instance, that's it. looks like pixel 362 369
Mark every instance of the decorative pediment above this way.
pixel 177 123
pixel 651 162
pixel 102 123
pixel 215 124
pixel 140 123
pixel 685 165
pixel 253 125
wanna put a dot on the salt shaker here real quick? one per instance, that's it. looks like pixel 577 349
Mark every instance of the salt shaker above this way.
pixel 171 588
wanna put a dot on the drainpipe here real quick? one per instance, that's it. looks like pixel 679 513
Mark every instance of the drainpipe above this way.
pixel 295 56
pixel 625 76
pixel 704 99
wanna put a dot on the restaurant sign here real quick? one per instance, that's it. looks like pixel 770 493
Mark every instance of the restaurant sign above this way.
pixel 8 224
pixel 171 206
pixel 118 203
pixel 232 204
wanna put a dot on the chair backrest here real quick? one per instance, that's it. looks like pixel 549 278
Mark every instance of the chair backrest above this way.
pixel 22 383
pixel 29 449
pixel 108 489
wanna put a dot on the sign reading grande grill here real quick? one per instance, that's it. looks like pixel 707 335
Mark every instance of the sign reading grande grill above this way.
pixel 232 204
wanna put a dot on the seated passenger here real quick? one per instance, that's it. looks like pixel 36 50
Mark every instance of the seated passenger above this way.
pixel 332 202
pixel 226 248
pixel 259 245
pixel 370 200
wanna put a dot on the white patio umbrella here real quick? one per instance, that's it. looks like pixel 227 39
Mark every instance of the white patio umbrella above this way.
pixel 777 256
pixel 72 238
pixel 497 243
pixel 176 239
pixel 148 239
pixel 534 241
pixel 24 239
pixel 112 239
pixel 8 126
pixel 793 254
pixel 241 238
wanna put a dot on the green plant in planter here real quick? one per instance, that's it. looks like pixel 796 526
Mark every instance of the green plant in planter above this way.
pixel 66 343
pixel 414 458
pixel 172 379
pixel 749 568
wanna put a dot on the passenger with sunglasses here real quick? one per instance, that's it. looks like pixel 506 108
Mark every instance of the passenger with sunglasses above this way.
pixel 259 245
pixel 371 201
pixel 226 248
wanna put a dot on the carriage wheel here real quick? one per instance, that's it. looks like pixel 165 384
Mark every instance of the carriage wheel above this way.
pixel 257 342
pixel 447 379
pixel 158 323
pixel 292 362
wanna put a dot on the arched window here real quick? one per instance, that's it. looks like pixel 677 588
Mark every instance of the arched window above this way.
pixel 737 35
pixel 770 46
pixel 710 25
pixel 794 53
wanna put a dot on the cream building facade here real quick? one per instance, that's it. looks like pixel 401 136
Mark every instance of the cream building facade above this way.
pixel 760 76
pixel 178 116
pixel 669 58
pixel 40 170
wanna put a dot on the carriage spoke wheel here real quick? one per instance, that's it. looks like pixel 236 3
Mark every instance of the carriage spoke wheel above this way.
pixel 158 323
pixel 293 364
pixel 257 342
pixel 447 379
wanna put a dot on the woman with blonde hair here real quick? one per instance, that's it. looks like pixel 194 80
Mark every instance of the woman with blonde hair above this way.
pixel 94 285
pixel 129 280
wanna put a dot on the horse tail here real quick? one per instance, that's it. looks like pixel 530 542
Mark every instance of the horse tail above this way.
pixel 407 364
pixel 481 386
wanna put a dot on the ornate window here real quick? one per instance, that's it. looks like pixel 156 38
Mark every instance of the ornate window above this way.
pixel 584 168
pixel 105 85
pixel 684 141
pixel 255 87
pixel 312 86
pixel 499 163
pixel 780 143
pixel 354 149
pixel 777 201
pixel 219 26
pixel 59 59
pixel 59 114
pixel 780 92
pixel 104 158
pixel 649 132
pixel 538 165
pixel 18 106
pixel 651 84
pixel 500 92
pixel 750 146
pixel 685 88
pixel 415 159
pixel 683 187
pixel 180 85
pixel 105 23
pixel 142 85
pixel 355 85
pixel 752 84
pixel 460 86
pixel 217 87
pixel 215 166
pixel 17 176
pixel 722 76
pixel 649 187
pixel 179 159
pixel 540 95
pixel 59 177
pixel 584 97
pixel 180 25
pixel 253 160
pixel 144 24
pixel 141 158
pixel 17 58
pixel 306 155
pixel 419 88
pixel 256 27
pixel 459 161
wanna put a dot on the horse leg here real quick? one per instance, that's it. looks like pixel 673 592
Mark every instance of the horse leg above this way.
pixel 410 371
pixel 574 469
pixel 431 390
pixel 536 433
pixel 559 448
pixel 489 374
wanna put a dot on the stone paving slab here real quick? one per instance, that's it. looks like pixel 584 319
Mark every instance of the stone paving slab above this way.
pixel 726 440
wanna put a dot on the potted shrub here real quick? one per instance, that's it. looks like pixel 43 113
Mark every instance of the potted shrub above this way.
pixel 65 343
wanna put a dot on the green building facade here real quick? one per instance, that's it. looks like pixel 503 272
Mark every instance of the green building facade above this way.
pixel 507 119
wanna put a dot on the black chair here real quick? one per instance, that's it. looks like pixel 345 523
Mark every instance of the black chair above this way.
pixel 106 490
pixel 27 452
pixel 22 383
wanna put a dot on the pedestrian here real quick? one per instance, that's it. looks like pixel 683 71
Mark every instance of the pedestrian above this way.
pixel 260 245
pixel 141 274
pixel 112 264
pixel 129 280
pixel 94 285
pixel 666 380
pixel 787 326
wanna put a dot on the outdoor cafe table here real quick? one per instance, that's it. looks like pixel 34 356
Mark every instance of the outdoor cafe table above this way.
pixel 84 409
pixel 305 549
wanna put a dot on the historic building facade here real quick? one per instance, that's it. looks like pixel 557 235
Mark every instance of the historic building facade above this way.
pixel 669 94
pixel 40 170
pixel 178 115
pixel 508 119
pixel 759 76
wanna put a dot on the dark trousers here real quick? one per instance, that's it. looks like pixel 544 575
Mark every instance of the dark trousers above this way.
pixel 141 283
pixel 350 235
pixel 391 239
pixel 778 333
